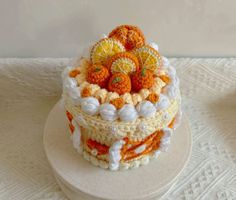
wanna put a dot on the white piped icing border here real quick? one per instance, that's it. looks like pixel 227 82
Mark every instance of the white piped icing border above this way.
pixel 101 163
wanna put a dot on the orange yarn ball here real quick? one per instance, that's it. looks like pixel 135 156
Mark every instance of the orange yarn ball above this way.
pixel 98 74
pixel 142 79
pixel 119 83
pixel 130 36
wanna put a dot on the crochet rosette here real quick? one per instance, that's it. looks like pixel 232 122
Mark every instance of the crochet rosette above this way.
pixel 127 128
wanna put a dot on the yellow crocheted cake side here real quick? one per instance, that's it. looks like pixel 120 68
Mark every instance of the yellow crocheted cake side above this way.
pixel 100 130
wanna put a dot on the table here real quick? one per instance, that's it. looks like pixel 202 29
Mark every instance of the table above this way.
pixel 30 87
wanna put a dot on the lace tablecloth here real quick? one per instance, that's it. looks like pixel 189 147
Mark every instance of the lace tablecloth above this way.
pixel 30 87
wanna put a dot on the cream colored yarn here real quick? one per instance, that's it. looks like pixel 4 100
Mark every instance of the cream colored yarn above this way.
pixel 101 130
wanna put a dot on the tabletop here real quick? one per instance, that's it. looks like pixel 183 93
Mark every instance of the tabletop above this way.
pixel 30 87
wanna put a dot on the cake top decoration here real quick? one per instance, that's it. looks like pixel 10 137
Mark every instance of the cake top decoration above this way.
pixel 123 62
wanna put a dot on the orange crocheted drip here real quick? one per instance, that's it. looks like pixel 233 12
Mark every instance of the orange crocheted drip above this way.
pixel 119 83
pixel 98 74
pixel 123 55
pixel 86 92
pixel 165 78
pixel 151 143
pixel 153 97
pixel 72 128
pixel 172 123
pixel 142 79
pixel 118 103
pixel 101 148
pixel 69 116
pixel 73 73
pixel 130 36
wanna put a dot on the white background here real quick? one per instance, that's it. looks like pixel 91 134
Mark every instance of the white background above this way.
pixel 61 28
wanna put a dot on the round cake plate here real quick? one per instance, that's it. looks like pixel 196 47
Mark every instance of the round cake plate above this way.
pixel 79 179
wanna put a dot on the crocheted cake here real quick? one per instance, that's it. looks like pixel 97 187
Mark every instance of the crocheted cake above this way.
pixel 122 101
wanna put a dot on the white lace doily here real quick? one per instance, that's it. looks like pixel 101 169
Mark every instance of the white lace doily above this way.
pixel 30 87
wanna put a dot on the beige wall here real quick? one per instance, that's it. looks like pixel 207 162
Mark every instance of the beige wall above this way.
pixel 60 28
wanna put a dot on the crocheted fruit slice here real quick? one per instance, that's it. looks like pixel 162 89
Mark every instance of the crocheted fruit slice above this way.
pixel 123 62
pixel 148 57
pixel 119 83
pixel 98 74
pixel 130 36
pixel 142 79
pixel 104 49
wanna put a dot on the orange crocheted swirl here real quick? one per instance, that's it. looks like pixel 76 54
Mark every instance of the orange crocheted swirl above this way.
pixel 118 102
pixel 86 92
pixel 130 36
pixel 165 78
pixel 153 97
pixel 123 55
pixel 119 83
pixel 98 74
pixel 73 73
pixel 142 79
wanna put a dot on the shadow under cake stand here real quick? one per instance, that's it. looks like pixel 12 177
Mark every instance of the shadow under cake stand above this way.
pixel 79 179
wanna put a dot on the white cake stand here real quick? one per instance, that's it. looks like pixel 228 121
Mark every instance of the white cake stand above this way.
pixel 79 179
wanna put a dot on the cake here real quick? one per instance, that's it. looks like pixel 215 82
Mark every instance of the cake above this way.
pixel 122 101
